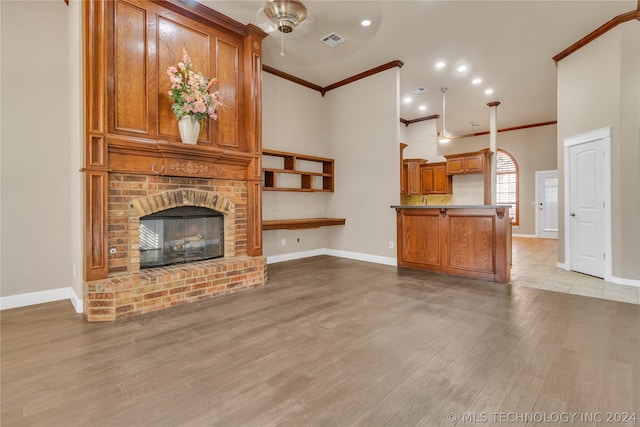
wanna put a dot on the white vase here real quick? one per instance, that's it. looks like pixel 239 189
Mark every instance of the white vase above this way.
pixel 189 129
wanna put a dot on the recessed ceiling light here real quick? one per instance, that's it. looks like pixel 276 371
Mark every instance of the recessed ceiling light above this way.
pixel 407 99
pixel 440 64
pixel 476 81
pixel 488 91
pixel 365 23
pixel 423 107
pixel 462 68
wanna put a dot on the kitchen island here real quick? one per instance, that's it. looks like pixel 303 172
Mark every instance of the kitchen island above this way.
pixel 469 241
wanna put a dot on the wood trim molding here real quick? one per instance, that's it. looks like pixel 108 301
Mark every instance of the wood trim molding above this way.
pixel 611 24
pixel 203 14
pixel 419 119
pixel 291 78
pixel 383 67
pixel 532 125
pixel 323 90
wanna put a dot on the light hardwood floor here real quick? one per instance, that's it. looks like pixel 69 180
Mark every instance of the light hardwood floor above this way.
pixel 329 342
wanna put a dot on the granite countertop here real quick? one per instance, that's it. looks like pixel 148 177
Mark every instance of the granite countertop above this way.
pixel 450 206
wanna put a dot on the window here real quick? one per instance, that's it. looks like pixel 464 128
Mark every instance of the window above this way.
pixel 507 184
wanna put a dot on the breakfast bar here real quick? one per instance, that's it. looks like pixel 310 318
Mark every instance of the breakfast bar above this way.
pixel 469 241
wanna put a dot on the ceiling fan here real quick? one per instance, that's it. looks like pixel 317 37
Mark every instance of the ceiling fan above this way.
pixel 284 16
pixel 444 136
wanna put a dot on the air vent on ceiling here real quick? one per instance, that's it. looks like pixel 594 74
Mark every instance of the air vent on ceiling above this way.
pixel 333 39
pixel 418 90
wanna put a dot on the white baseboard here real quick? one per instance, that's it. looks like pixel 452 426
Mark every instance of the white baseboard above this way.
pixel 333 252
pixel 273 259
pixel 33 298
pixel 533 236
pixel 78 303
pixel 624 282
pixel 611 279
pixel 363 257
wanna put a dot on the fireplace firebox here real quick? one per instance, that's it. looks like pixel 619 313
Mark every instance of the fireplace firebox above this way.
pixel 181 235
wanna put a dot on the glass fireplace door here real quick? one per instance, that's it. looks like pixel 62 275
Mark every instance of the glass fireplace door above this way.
pixel 173 237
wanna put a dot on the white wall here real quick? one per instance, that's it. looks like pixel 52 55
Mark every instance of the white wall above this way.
pixel 364 118
pixel 295 119
pixel 599 86
pixel 36 218
pixel 422 140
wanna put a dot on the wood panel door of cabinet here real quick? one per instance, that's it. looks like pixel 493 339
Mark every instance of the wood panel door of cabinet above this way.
pixel 468 163
pixel 435 179
pixel 442 183
pixel 427 180
pixel 455 166
pixel 474 164
pixel 404 180
pixel 414 180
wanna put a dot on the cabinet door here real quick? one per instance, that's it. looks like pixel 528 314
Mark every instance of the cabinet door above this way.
pixel 413 185
pixel 404 180
pixel 474 164
pixel 455 166
pixel 427 180
pixel 441 182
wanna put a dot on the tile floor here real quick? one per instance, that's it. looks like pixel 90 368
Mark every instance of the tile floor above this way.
pixel 534 266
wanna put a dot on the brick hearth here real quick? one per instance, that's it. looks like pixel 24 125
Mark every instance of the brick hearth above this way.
pixel 128 290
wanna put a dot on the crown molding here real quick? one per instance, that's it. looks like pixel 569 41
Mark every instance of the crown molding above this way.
pixel 324 90
pixel 532 125
pixel 291 78
pixel 419 119
pixel 611 24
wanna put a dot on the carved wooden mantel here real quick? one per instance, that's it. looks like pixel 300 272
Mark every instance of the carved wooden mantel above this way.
pixel 129 125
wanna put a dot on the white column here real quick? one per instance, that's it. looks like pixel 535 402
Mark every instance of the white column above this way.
pixel 493 145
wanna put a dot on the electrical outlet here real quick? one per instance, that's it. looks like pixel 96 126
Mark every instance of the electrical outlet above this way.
pixel 284 242
pixel 391 244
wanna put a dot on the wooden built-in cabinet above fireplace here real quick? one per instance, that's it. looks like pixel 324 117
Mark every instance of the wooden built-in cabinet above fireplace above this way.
pixel 129 124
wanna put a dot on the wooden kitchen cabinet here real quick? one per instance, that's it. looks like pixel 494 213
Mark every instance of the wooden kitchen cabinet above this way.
pixel 466 241
pixel 435 179
pixel 414 180
pixel 469 163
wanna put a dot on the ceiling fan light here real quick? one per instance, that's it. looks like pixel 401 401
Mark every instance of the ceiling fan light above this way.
pixel 286 14
pixel 444 136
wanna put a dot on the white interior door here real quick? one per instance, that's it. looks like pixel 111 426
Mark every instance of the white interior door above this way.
pixel 547 204
pixel 586 207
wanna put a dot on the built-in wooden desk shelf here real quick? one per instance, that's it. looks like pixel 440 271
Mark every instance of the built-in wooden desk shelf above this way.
pixel 300 223
pixel 296 172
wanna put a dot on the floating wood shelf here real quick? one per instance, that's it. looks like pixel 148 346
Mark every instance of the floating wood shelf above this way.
pixel 294 164
pixel 300 223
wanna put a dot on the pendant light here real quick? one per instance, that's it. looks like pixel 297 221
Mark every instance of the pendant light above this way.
pixel 444 135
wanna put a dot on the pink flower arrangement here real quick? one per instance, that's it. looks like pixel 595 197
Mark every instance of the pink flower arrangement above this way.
pixel 190 92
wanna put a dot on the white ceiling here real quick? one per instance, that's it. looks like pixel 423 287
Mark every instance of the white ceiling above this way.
pixel 509 44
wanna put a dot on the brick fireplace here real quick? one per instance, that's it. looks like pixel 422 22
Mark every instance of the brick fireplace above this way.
pixel 135 164
pixel 129 290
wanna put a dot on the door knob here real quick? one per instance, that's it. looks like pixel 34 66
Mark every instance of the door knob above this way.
pixel 572 214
